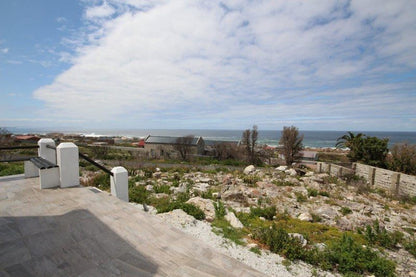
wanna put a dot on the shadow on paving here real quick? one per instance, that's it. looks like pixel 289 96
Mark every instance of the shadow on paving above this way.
pixel 73 244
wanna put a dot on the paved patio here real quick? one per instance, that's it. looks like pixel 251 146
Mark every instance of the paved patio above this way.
pixel 83 232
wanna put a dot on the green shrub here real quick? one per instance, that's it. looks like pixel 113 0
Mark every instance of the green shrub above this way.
pixel 312 192
pixel 193 210
pixel 100 180
pixel 300 197
pixel 162 189
pixel 268 213
pixel 11 168
pixel 139 194
pixel 281 183
pixel 251 179
pixel 316 218
pixel 324 193
pixel 223 227
pixel 220 210
pixel 350 257
pixel 345 210
pixel 376 235
pixel 410 246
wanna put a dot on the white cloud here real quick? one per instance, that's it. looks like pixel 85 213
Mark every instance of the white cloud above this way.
pixel 242 61
pixel 4 50
pixel 104 10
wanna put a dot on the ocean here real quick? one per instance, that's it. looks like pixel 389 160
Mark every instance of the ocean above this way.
pixel 311 138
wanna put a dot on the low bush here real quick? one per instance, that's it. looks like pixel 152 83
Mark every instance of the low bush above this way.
pixel 300 197
pixel 251 180
pixel 162 189
pixel 312 192
pixel 376 235
pixel 100 180
pixel 11 168
pixel 223 227
pixel 410 246
pixel 220 210
pixel 345 210
pixel 343 255
pixel 139 194
pixel 268 213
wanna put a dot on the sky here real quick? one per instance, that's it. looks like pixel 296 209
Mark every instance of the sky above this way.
pixel 317 65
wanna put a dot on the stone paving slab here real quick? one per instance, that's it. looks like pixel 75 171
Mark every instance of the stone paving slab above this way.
pixel 82 232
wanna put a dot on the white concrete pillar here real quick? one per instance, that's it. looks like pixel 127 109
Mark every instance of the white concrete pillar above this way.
pixel 68 162
pixel 49 178
pixel 31 170
pixel 45 152
pixel 120 183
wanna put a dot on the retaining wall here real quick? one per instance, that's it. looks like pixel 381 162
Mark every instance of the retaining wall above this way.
pixel 396 183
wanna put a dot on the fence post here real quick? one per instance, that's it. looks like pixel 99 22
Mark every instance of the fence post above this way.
pixel 45 152
pixel 329 169
pixel 371 175
pixel 68 161
pixel 395 184
pixel 120 183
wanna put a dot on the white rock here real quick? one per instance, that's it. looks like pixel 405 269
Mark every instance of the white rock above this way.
pixel 281 168
pixel 157 169
pixel 305 217
pixel 291 172
pixel 205 205
pixel 233 220
pixel 300 237
pixel 149 188
pixel 249 169
pixel 201 187
pixel 309 174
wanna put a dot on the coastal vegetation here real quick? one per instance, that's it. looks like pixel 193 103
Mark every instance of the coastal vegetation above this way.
pixel 291 143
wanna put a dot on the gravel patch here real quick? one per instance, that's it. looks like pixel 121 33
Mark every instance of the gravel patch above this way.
pixel 268 263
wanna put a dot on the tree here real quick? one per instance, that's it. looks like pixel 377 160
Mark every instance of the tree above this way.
pixel 375 151
pixel 369 150
pixel 184 146
pixel 292 144
pixel 403 158
pixel 5 136
pixel 354 143
pixel 226 150
pixel 249 140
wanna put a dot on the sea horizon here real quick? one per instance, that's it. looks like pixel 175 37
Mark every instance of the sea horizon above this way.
pixel 312 138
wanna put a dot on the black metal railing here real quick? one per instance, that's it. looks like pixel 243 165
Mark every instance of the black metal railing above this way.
pixel 85 157
pixel 17 147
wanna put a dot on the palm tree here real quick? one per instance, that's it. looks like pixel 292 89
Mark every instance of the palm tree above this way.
pixel 353 142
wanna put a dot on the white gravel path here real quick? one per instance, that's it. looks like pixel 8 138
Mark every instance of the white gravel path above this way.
pixel 268 263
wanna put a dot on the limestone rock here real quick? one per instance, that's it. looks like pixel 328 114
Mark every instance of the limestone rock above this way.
pixel 201 187
pixel 305 217
pixel 291 172
pixel 233 220
pixel 281 168
pixel 309 174
pixel 249 169
pixel 205 205
pixel 149 188
pixel 300 237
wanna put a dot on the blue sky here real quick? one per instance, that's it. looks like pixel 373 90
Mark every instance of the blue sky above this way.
pixel 318 65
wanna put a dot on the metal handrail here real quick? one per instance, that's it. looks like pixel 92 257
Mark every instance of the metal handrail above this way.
pixel 51 146
pixel 22 159
pixel 106 170
pixel 19 147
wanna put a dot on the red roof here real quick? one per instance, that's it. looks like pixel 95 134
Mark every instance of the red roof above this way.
pixel 27 137
pixel 141 142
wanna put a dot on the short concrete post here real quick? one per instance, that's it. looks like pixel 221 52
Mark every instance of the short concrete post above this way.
pixel 120 183
pixel 319 167
pixel 340 173
pixel 45 152
pixel 68 162
pixel 371 175
pixel 395 184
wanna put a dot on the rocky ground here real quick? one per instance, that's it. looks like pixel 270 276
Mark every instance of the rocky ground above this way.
pixel 345 205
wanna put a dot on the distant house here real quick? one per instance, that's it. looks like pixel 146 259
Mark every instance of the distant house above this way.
pixel 26 138
pixel 309 155
pixel 162 146
pixel 139 144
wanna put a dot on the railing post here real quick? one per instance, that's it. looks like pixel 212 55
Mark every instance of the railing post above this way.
pixel 45 152
pixel 120 183
pixel 68 162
